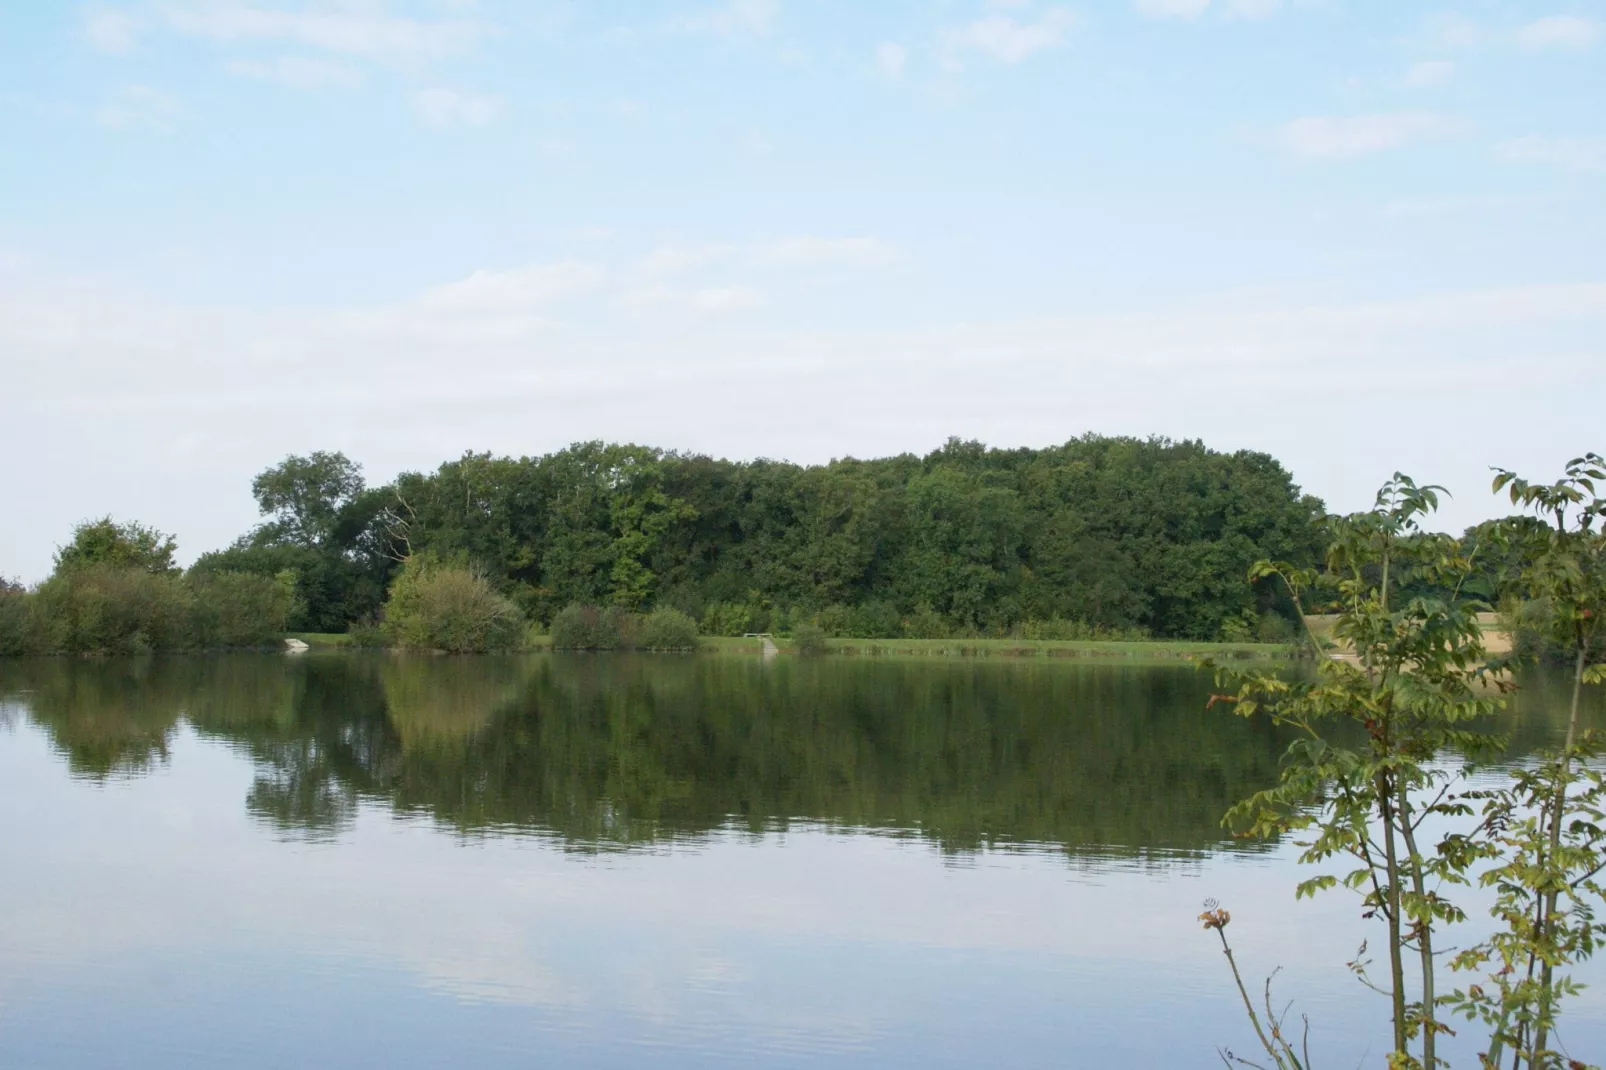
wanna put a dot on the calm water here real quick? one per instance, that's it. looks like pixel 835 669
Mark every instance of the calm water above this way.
pixel 260 861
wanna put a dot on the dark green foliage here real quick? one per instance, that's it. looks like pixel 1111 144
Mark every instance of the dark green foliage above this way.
pixel 238 609
pixel 13 618
pixel 581 627
pixel 101 609
pixel 336 539
pixel 809 639
pixel 1117 534
pixel 105 542
pixel 438 606
pixel 668 629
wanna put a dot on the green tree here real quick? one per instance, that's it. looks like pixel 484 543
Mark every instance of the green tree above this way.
pixel 105 542
pixel 1412 686
pixel 1548 825
pixel 306 495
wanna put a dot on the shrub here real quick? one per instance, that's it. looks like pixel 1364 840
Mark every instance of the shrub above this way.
pixel 581 627
pixel 13 618
pixel 102 609
pixel 727 618
pixel 874 620
pixel 436 606
pixel 238 609
pixel 926 623
pixel 669 629
pixel 809 639
pixel 367 634
pixel 835 619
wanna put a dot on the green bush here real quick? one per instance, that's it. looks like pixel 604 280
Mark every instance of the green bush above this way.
pixel 875 620
pixel 368 634
pixel 809 639
pixel 926 623
pixel 13 619
pixel 238 609
pixel 436 606
pixel 581 627
pixel 835 619
pixel 103 609
pixel 668 629
pixel 727 618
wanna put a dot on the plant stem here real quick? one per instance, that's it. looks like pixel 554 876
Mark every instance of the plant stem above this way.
pixel 1424 937
pixel 1249 1006
pixel 1557 814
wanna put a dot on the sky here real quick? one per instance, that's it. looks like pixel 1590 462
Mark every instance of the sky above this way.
pixel 1360 236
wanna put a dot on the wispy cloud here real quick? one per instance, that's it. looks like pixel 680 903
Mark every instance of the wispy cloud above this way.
pixel 1441 206
pixel 364 30
pixel 534 286
pixel 802 251
pixel 732 20
pixel 1349 136
pixel 1559 32
pixel 112 30
pixel 450 107
pixel 859 252
pixel 296 72
pixel 141 108
pixel 1007 38
pixel 1251 9
pixel 1171 9
pixel 891 58
pixel 1429 72
pixel 1571 154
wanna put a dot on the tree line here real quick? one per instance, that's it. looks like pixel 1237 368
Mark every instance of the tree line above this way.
pixel 1116 536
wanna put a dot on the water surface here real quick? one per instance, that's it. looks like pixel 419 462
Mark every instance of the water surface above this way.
pixel 260 861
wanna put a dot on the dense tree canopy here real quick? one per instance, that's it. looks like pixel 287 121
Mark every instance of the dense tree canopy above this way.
pixel 1122 533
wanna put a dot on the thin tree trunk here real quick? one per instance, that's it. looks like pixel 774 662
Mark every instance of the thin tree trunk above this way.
pixel 1424 939
pixel 1558 811
pixel 1392 893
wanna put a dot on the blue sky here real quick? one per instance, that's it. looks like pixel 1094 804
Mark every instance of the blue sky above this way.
pixel 1360 236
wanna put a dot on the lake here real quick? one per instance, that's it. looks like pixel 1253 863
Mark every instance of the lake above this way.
pixel 612 861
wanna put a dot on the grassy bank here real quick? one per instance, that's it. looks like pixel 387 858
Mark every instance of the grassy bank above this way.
pixel 1163 650
pixel 1018 648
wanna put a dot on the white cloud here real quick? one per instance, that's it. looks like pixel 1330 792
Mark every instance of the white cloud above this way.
pixel 1344 137
pixel 1252 9
pixel 1559 31
pixel 112 30
pixel 1429 72
pixel 141 108
pixel 1447 30
pixel 1572 154
pixel 295 72
pixel 1171 9
pixel 1009 39
pixel 450 107
pixel 1441 206
pixel 356 30
pixel 862 252
pixel 891 58
pixel 537 285
pixel 732 20
pixel 715 299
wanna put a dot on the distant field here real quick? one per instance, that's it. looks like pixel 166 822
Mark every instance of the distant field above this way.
pixel 1494 640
